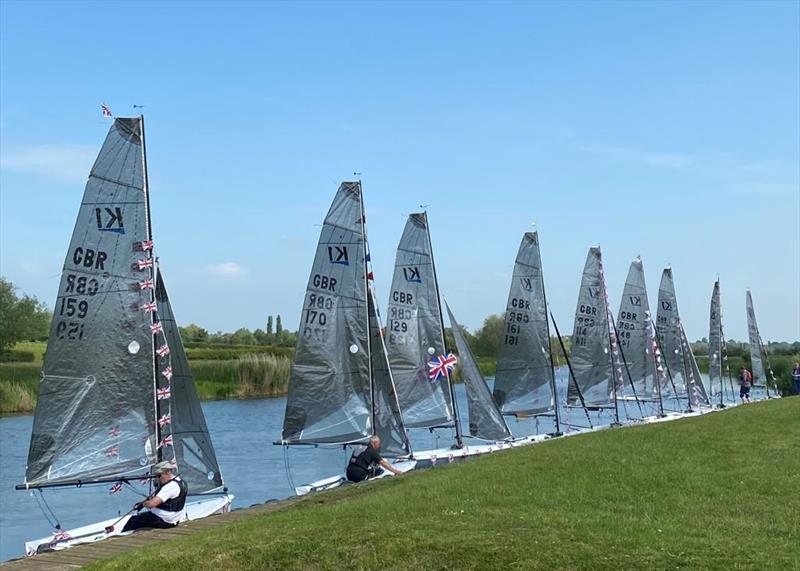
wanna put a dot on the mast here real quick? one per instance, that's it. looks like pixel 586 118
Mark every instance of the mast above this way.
pixel 609 322
pixel 459 438
pixel 373 425
pixel 656 371
pixel 549 347
pixel 149 226
pixel 571 373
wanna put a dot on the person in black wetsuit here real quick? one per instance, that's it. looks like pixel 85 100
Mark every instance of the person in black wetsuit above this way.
pixel 166 505
pixel 363 464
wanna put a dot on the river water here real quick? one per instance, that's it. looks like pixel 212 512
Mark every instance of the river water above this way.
pixel 254 469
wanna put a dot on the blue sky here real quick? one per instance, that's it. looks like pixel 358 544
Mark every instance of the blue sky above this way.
pixel 666 130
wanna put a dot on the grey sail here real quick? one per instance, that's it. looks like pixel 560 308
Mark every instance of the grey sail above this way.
pixel 591 361
pixel 485 419
pixel 96 414
pixel 414 331
pixel 715 353
pixel 756 349
pixel 632 326
pixel 669 332
pixel 388 419
pixel 694 382
pixel 524 379
pixel 192 447
pixel 329 397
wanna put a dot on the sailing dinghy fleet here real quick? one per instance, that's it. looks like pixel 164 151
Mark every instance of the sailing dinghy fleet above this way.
pixel 116 395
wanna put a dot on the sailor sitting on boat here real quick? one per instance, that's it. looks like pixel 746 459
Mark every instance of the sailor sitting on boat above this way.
pixel 165 505
pixel 364 462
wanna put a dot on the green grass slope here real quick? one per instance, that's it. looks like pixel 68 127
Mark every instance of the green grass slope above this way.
pixel 716 492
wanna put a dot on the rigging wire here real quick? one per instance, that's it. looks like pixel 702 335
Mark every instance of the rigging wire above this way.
pixel 287 467
pixel 49 514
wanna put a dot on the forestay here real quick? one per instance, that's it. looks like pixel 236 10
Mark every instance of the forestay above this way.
pixel 669 332
pixel 525 377
pixel 590 357
pixel 756 349
pixel 485 419
pixel 415 331
pixel 96 415
pixel 329 397
pixel 192 447
pixel 632 326
pixel 715 352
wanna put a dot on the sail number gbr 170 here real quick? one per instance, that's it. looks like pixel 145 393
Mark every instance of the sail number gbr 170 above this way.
pixel 316 314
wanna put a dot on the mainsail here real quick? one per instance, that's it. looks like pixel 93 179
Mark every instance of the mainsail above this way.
pixel 524 382
pixel 715 349
pixel 194 452
pixel 757 359
pixel 590 357
pixel 415 332
pixel 96 413
pixel 485 419
pixel 632 328
pixel 669 332
pixel 340 388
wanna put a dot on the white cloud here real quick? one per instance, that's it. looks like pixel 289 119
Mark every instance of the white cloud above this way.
pixel 230 270
pixel 62 163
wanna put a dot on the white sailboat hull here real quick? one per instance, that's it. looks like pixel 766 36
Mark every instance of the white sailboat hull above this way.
pixel 98 531
pixel 336 481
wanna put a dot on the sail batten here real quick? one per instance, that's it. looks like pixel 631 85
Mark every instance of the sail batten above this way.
pixel 524 379
pixel 414 330
pixel 485 419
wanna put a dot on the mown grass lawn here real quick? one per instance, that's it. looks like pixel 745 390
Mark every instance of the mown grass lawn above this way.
pixel 716 492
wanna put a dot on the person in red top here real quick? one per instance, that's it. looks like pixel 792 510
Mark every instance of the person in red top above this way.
pixel 745 382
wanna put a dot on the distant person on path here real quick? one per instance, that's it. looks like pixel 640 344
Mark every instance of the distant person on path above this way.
pixel 745 382
pixel 796 378
pixel 364 464
pixel 165 505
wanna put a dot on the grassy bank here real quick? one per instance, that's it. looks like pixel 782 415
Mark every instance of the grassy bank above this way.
pixel 683 494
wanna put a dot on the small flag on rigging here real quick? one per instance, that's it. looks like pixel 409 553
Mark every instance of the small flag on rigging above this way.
pixel 164 420
pixel 116 488
pixel 146 284
pixel 106 111
pixel 148 307
pixel 163 351
pixel 166 442
pixel 163 394
pixel 441 366
pixel 144 264
pixel 156 327
pixel 167 373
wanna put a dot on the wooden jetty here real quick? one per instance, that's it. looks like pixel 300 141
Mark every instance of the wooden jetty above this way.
pixel 81 555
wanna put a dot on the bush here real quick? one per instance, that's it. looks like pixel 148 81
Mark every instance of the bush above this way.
pixel 14 356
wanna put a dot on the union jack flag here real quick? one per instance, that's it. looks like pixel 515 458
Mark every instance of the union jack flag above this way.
pixel 167 373
pixel 164 420
pixel 113 431
pixel 143 264
pixel 146 284
pixel 370 276
pixel 163 351
pixel 106 111
pixel 148 307
pixel 166 442
pixel 156 327
pixel 441 366
pixel 116 488
pixel 162 394
pixel 112 451
pixel 144 481
pixel 148 245
pixel 61 535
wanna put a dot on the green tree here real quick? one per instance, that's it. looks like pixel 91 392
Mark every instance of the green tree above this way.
pixel 488 337
pixel 269 325
pixel 193 333
pixel 243 336
pixel 278 326
pixel 21 319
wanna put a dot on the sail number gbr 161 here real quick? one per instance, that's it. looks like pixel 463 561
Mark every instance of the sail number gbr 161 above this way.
pixel 517 314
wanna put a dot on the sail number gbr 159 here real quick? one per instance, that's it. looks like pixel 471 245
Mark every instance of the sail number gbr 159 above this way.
pixel 71 310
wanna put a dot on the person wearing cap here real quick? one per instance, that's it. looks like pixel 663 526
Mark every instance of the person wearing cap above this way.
pixel 166 505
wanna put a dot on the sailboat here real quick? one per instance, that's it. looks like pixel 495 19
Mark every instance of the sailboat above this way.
pixel 415 334
pixel 341 390
pixel 681 365
pixel 759 361
pixel 525 382
pixel 116 395
pixel 595 364
pixel 636 343
pixel 486 422
pixel 717 351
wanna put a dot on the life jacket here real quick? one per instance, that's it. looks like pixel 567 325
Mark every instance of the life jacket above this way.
pixel 174 504
pixel 358 460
